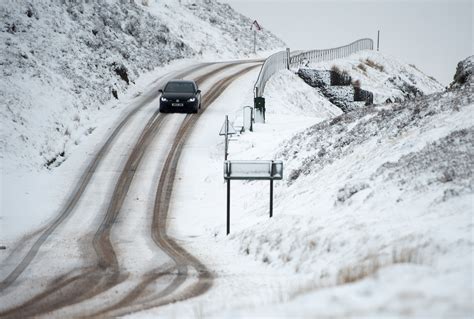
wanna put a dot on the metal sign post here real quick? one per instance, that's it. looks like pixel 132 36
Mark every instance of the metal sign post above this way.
pixel 252 170
pixel 228 206
pixel 226 148
pixel 378 39
pixel 254 41
pixel 226 130
pixel 248 118
pixel 256 27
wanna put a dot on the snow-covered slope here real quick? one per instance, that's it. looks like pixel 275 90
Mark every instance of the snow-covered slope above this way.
pixel 381 197
pixel 373 217
pixel 296 98
pixel 387 78
pixel 62 60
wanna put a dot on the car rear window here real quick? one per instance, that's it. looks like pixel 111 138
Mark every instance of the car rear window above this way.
pixel 180 87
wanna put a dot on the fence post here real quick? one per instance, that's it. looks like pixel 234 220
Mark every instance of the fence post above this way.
pixel 287 58
pixel 228 206
pixel 378 39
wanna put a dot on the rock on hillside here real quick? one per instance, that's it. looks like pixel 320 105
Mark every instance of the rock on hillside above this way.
pixel 464 73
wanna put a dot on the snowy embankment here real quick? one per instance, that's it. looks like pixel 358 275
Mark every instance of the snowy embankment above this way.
pixel 62 61
pixel 373 217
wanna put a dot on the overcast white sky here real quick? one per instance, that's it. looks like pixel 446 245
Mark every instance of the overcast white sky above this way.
pixel 434 35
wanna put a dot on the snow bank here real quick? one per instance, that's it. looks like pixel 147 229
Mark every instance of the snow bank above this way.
pixel 387 78
pixel 287 94
pixel 62 61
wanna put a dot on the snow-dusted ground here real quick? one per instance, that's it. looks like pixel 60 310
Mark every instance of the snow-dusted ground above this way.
pixel 372 219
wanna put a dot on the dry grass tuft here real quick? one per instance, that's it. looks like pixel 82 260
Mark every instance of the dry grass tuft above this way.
pixel 373 263
pixel 336 69
pixel 362 67
pixel 374 65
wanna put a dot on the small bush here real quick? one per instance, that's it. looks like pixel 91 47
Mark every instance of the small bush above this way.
pixel 336 69
pixel 374 65
pixel 340 77
pixel 414 66
pixel 362 67
pixel 356 84
pixel 121 71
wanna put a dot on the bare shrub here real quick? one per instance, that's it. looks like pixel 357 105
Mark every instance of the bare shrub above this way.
pixel 362 67
pixel 374 65
pixel 340 77
pixel 356 84
pixel 336 69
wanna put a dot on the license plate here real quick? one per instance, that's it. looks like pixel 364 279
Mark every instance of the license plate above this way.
pixel 176 104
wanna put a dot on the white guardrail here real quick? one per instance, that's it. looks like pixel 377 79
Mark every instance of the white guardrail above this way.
pixel 331 54
pixel 283 60
pixel 275 62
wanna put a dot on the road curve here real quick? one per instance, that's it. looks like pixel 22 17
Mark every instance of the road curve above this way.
pixel 74 288
pixel 182 258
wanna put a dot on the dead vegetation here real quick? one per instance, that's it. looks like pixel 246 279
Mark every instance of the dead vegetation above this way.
pixel 362 67
pixel 356 84
pixel 368 267
pixel 374 65
pixel 340 77
pixel 372 263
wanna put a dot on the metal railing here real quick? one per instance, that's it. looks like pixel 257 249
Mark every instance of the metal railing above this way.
pixel 283 60
pixel 275 62
pixel 330 54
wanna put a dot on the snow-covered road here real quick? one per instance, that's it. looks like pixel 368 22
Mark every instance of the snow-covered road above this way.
pixel 106 234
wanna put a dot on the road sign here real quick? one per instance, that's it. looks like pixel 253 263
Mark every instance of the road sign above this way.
pixel 230 129
pixel 251 170
pixel 256 26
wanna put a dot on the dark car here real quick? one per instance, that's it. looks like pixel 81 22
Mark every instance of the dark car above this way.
pixel 180 96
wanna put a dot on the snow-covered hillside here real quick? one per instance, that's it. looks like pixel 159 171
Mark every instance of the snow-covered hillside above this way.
pixel 387 78
pixel 62 60
pixel 373 217
pixel 379 197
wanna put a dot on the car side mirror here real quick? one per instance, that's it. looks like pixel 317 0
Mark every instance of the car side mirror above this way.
pixel 198 91
pixel 160 90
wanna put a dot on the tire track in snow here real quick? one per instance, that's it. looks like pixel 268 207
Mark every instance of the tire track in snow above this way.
pixel 75 195
pixel 182 258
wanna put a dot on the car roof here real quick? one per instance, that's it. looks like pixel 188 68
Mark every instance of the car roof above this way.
pixel 182 81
